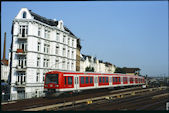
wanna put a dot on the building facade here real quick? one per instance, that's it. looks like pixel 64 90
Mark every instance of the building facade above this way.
pixel 39 45
pixel 4 64
pixel 98 65
pixel 4 70
pixel 78 55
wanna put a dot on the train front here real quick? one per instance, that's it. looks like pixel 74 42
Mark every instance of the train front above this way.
pixel 51 84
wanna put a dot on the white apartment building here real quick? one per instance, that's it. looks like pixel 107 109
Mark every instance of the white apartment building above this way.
pixel 98 65
pixel 39 45
pixel 4 71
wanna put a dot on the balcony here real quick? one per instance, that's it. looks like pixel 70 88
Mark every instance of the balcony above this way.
pixel 19 84
pixel 22 36
pixel 20 52
pixel 20 68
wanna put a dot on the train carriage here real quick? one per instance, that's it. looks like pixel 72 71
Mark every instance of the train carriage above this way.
pixel 63 81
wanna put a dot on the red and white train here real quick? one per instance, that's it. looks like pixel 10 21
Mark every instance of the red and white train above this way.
pixel 63 81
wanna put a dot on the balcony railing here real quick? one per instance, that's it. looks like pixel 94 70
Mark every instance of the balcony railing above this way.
pixel 22 36
pixel 19 84
pixel 20 68
pixel 21 52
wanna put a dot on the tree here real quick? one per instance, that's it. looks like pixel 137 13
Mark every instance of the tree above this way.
pixel 120 70
pixel 89 69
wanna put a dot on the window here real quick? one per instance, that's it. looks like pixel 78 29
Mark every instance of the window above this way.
pixel 38 46
pixel 44 62
pixel 106 79
pixel 21 78
pixel 38 62
pixel 23 46
pixel 124 79
pixel 57 49
pixel 63 64
pixel 67 65
pixel 70 80
pixel 37 77
pixel 65 80
pixel 100 79
pixel 24 78
pixel 52 78
pixel 91 80
pixel 68 53
pixel 103 79
pixel 72 54
pixel 44 76
pixel 47 33
pixel 114 79
pixel 82 80
pixel 47 62
pixel 57 36
pixel 72 66
pixel 87 80
pixel 44 48
pixel 72 43
pixel 57 64
pixel 23 30
pixel 24 14
pixel 22 62
pixel 39 31
pixel 47 48
pixel 64 52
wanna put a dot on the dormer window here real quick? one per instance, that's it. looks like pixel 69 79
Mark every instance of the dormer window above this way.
pixel 24 14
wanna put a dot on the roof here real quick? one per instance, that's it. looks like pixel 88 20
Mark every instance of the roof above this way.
pixel 107 63
pixel 131 70
pixel 48 21
pixel 43 19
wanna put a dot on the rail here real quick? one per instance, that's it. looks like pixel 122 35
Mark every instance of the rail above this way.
pixel 91 100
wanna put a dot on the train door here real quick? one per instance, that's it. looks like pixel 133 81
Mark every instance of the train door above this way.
pixel 110 80
pixel 121 79
pixel 76 82
pixel 95 81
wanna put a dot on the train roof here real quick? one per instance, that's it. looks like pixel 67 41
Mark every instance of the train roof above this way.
pixel 95 73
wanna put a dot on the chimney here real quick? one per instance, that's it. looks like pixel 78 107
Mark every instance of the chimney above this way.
pixel 4 46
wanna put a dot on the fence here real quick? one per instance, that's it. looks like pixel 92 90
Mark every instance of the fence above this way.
pixel 20 96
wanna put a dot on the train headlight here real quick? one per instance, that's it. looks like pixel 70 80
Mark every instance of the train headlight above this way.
pixel 46 85
pixel 56 85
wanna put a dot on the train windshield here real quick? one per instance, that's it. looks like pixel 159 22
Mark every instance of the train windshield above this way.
pixel 52 78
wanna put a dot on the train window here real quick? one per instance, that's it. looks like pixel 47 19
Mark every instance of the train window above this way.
pixel 51 78
pixel 87 80
pixel 100 79
pixel 91 80
pixel 70 80
pixel 106 79
pixel 119 79
pixel 113 79
pixel 65 80
pixel 82 80
pixel 103 79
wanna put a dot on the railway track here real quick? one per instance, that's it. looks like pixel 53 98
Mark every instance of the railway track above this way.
pixel 138 102
pixel 42 103
pixel 38 102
